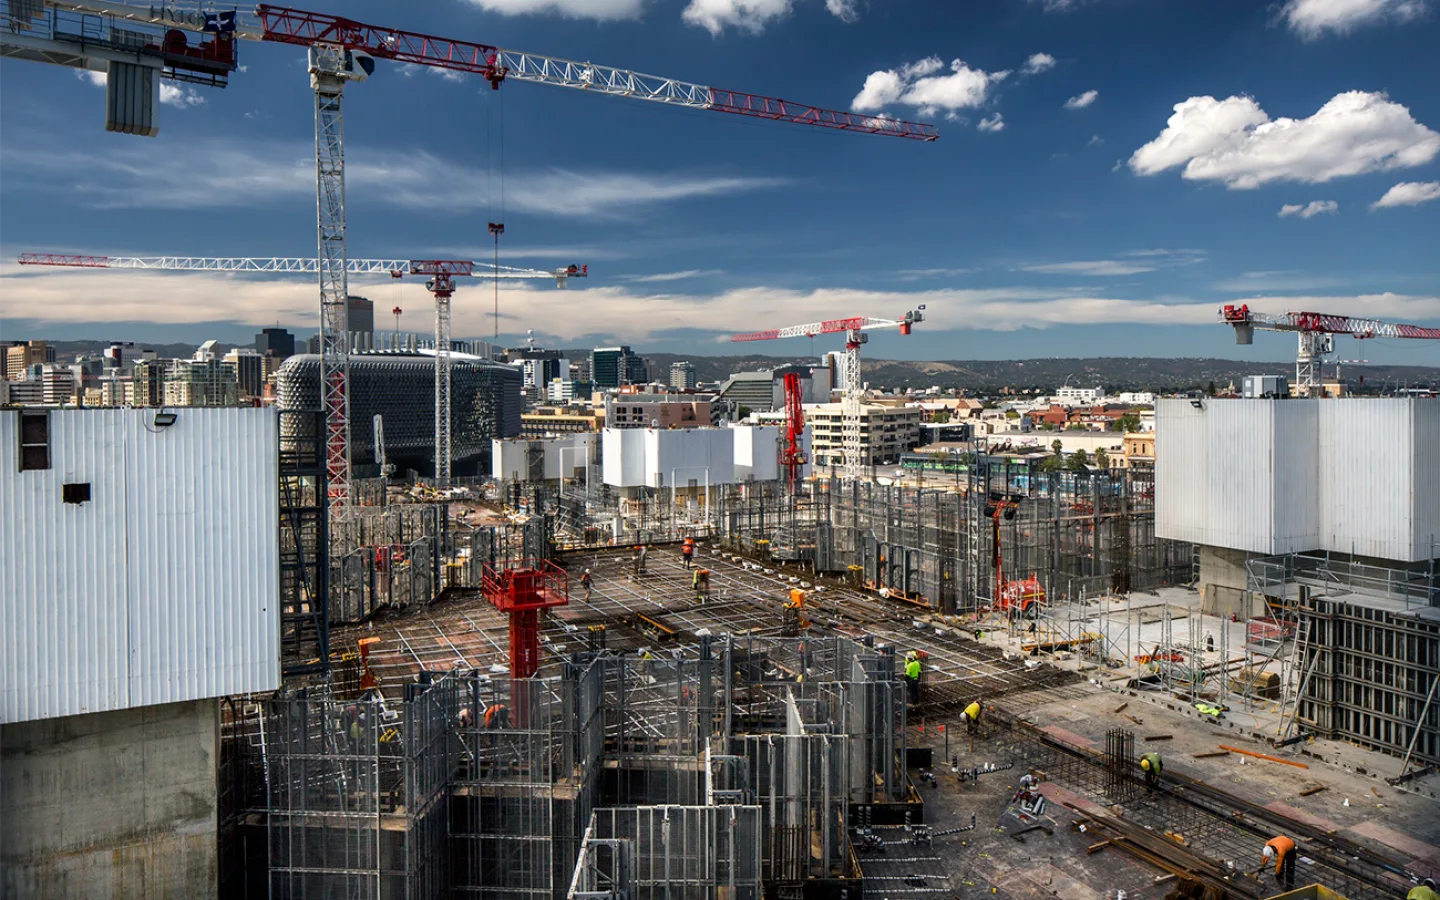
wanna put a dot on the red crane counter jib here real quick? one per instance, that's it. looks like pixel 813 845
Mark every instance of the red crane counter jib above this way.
pixel 1324 323
pixel 523 593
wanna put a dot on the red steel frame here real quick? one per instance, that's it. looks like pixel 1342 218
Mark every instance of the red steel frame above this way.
pixel 523 592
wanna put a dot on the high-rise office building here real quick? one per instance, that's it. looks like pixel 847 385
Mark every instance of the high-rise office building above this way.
pixel 608 367
pixel 682 375
pixel 360 316
pixel 249 369
pixel 279 342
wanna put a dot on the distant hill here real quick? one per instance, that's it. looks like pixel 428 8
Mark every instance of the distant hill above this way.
pixel 1115 374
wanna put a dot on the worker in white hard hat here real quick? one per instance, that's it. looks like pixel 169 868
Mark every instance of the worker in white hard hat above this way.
pixel 585 583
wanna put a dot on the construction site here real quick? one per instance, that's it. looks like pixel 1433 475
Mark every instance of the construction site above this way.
pixel 693 664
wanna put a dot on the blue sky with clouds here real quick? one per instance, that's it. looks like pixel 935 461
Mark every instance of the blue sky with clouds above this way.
pixel 1108 173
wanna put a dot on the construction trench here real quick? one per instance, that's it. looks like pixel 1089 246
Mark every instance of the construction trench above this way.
pixel 672 746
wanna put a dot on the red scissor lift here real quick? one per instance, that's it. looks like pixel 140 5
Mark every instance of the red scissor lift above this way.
pixel 523 593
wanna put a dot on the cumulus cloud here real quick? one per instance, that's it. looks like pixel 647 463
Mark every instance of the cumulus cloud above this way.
pixel 1037 63
pixel 1409 193
pixel 1312 18
pixel 170 95
pixel 1091 267
pixel 1309 210
pixel 748 15
pixel 924 85
pixel 267 173
pixel 603 10
pixel 1080 101
pixel 68 296
pixel 994 122
pixel 659 277
pixel 1235 142
pixel 844 10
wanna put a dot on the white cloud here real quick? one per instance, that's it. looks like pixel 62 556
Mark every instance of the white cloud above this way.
pixel 920 274
pixel 1037 63
pixel 660 277
pixel 451 75
pixel 1235 142
pixel 262 174
pixel 750 15
pixel 170 95
pixel 1080 101
pixel 1409 193
pixel 994 122
pixel 1309 210
pixel 1250 282
pixel 844 10
pixel 603 10
pixel 177 297
pixel 1095 141
pixel 1091 267
pixel 1312 18
pixel 1060 5
pixel 920 85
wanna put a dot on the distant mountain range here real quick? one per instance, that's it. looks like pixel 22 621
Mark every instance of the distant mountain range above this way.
pixel 1115 374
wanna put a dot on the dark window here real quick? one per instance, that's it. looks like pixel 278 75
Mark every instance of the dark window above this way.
pixel 34 441
pixel 75 493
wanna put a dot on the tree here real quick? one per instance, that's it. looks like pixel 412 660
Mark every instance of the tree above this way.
pixel 1210 389
pixel 1057 446
pixel 1075 426
pixel 1102 459
pixel 1080 461
pixel 1128 423
pixel 941 417
pixel 1011 414
pixel 1052 464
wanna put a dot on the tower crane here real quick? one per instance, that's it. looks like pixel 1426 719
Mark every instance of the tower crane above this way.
pixel 1316 334
pixel 855 330
pixel 440 282
pixel 341 51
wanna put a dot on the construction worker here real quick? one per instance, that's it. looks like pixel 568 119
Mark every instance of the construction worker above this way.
pixel 701 582
pixel 639 560
pixel 1151 764
pixel 1425 890
pixel 687 551
pixel 585 583
pixel 497 715
pixel 1281 850
pixel 912 676
pixel 972 717
pixel 465 718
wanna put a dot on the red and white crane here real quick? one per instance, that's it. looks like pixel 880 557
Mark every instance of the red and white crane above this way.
pixel 440 282
pixel 792 454
pixel 343 50
pixel 1315 332
pixel 854 329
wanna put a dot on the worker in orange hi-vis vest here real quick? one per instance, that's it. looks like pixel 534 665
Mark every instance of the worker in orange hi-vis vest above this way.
pixel 687 551
pixel 1281 850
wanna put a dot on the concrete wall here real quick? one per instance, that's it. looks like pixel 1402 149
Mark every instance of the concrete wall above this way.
pixel 1222 583
pixel 115 804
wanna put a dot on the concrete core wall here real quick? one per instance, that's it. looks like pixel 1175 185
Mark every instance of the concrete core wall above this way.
pixel 1222 583
pixel 115 804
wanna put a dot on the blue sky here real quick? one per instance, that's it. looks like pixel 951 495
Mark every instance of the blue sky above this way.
pixel 1108 173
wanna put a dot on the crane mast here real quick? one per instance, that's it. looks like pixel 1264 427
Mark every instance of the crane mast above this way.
pixel 1315 336
pixel 852 401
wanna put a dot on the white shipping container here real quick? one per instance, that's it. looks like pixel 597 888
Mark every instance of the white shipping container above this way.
pixel 163 585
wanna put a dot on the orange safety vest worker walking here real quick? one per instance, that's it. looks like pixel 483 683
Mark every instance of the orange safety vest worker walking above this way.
pixel 1281 849
pixel 585 583
pixel 687 550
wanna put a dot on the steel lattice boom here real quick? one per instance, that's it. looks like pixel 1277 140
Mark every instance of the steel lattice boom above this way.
pixel 293 26
pixel 304 265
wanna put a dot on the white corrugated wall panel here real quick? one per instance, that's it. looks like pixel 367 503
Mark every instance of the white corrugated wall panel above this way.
pixel 1425 530
pixel 204 572
pixel 1239 481
pixel 1366 460
pixel 1181 456
pixel 164 586
pixel 1297 489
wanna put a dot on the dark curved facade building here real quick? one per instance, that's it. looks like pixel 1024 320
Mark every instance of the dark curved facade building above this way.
pixel 485 403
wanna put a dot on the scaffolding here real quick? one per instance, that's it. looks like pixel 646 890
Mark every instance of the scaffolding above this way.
pixel 670 853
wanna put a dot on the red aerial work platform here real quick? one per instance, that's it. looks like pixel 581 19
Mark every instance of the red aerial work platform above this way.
pixel 522 593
